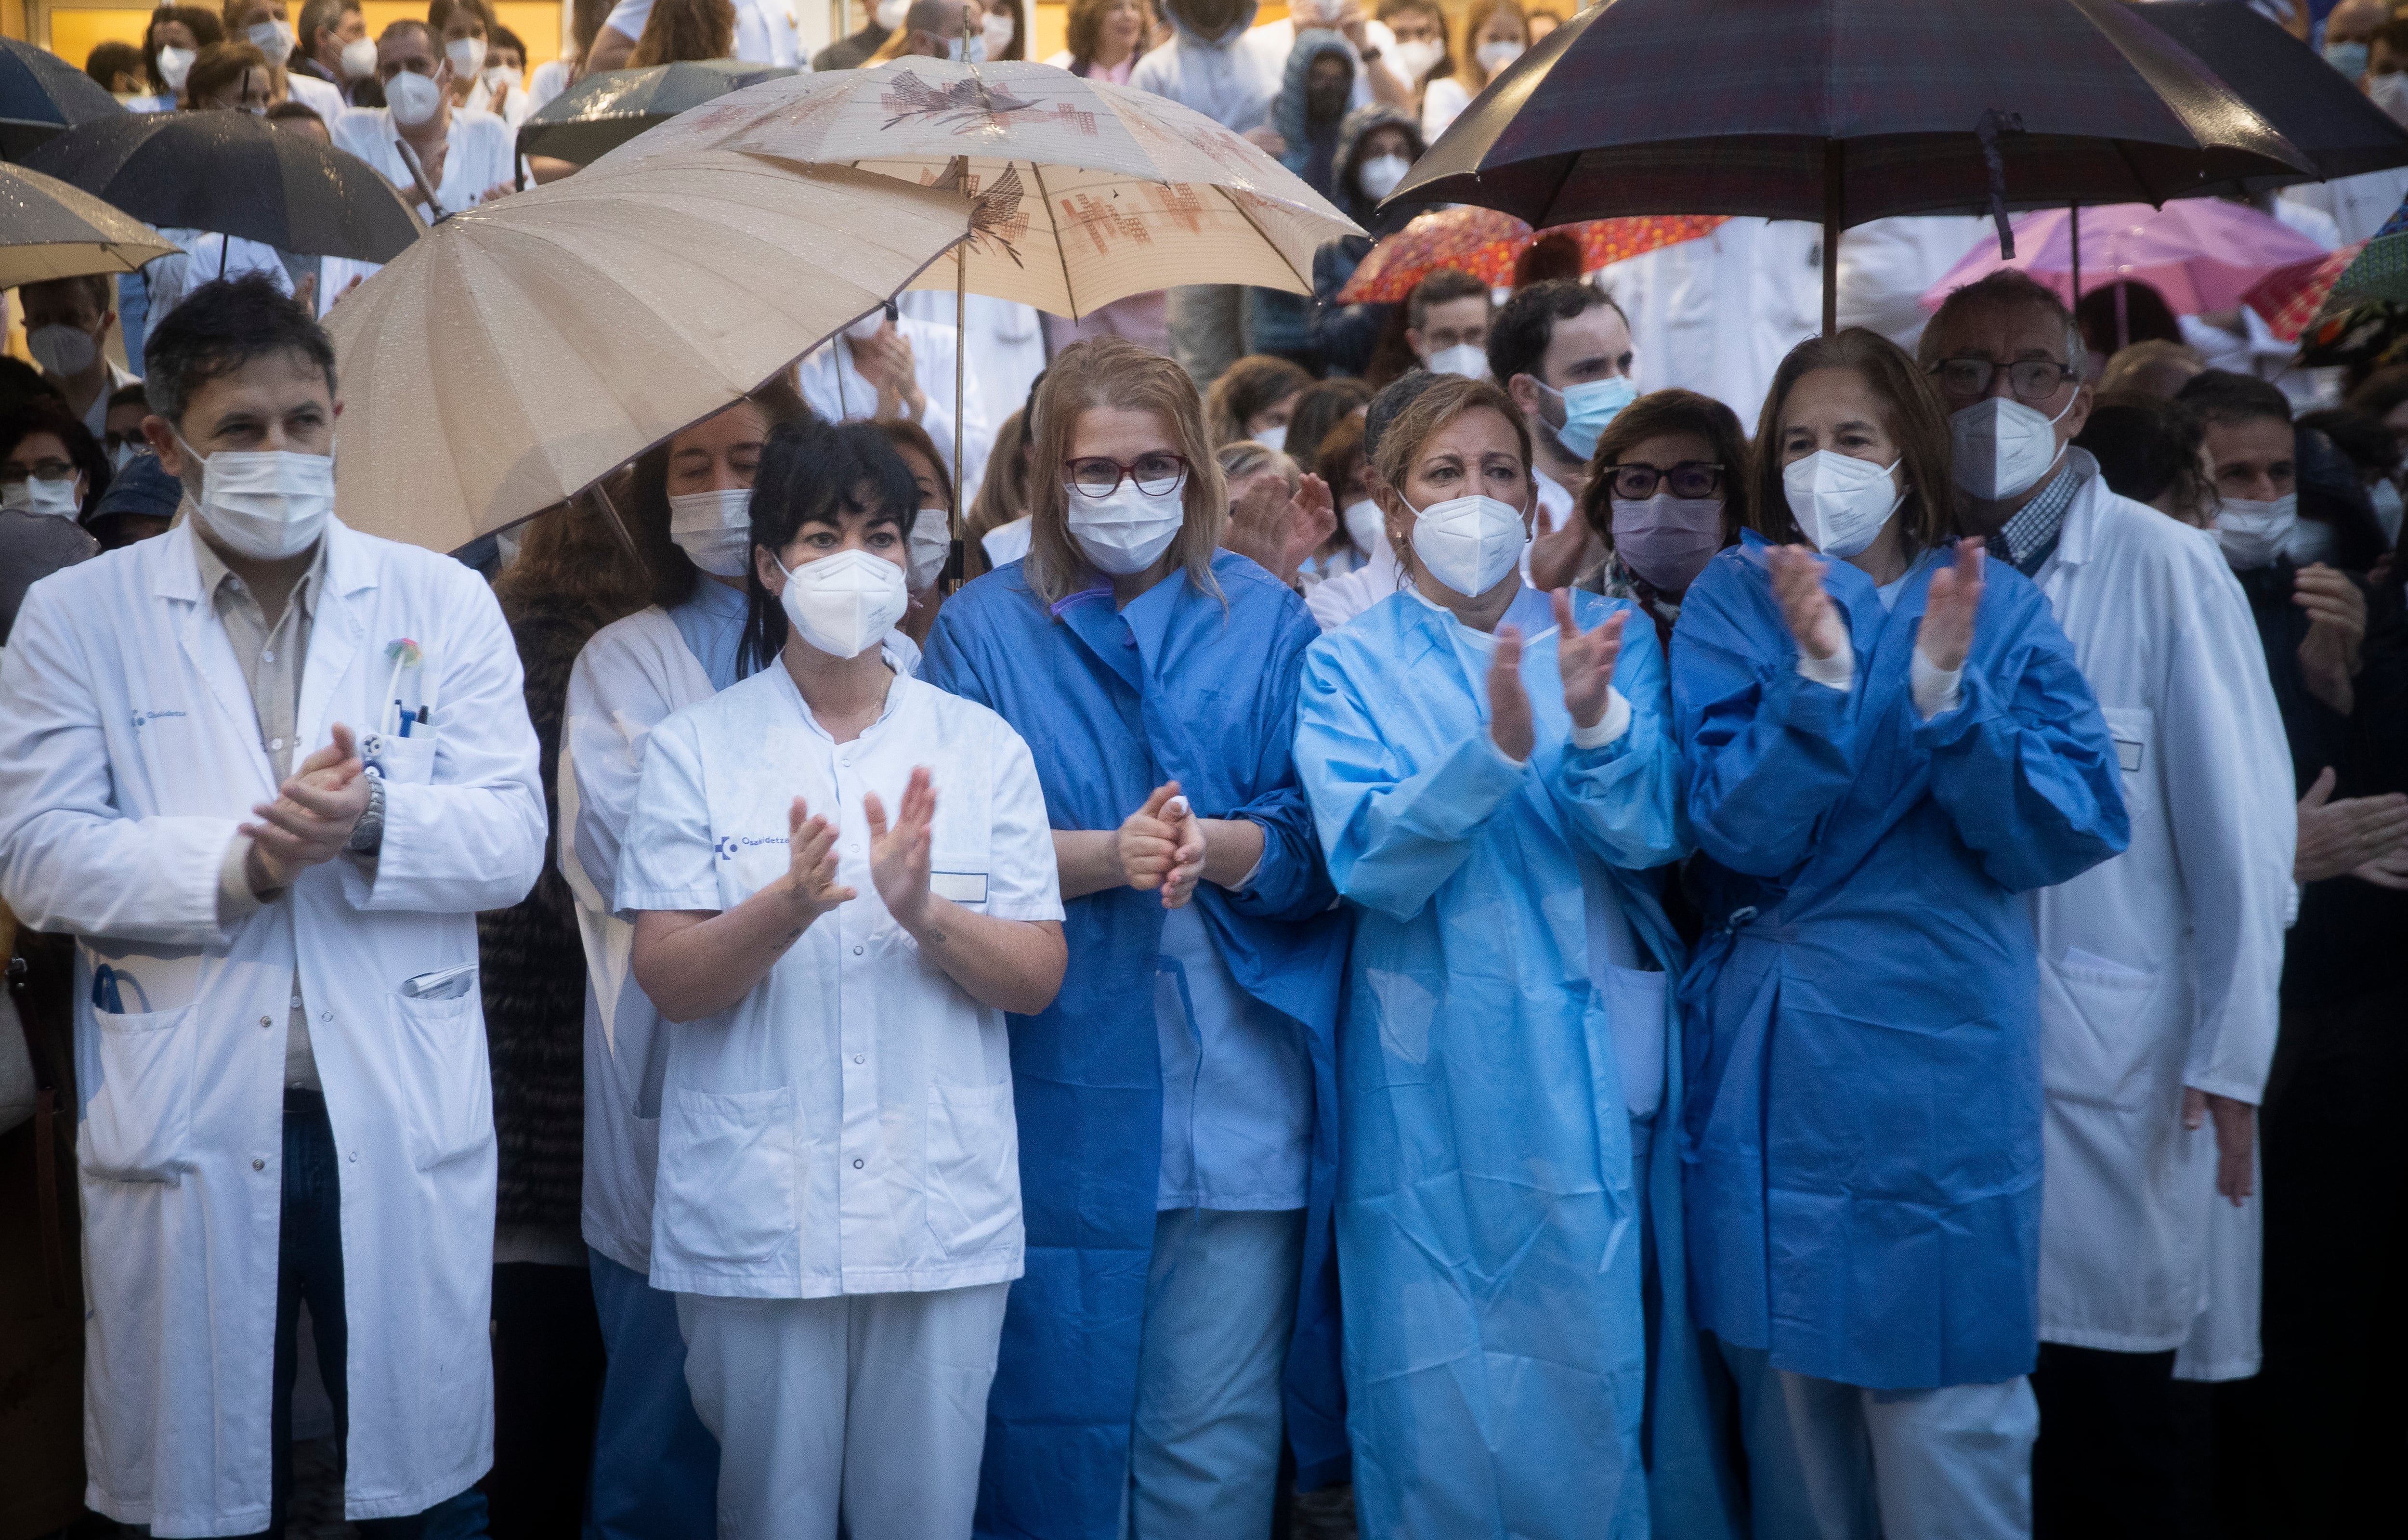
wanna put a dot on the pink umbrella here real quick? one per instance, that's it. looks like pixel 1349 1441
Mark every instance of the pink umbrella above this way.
pixel 2200 253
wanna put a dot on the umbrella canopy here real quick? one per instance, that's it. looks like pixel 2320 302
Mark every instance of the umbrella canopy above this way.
pixel 601 112
pixel 49 229
pixel 2317 108
pixel 1086 192
pixel 2379 272
pixel 1844 111
pixel 41 93
pixel 229 172
pixel 480 388
pixel 2201 254
pixel 2290 297
pixel 1486 245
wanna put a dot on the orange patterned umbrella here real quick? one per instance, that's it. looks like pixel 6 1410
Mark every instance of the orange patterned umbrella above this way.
pixel 1486 244
pixel 2290 297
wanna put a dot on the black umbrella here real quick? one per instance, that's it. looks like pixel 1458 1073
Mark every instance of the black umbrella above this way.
pixel 229 172
pixel 601 112
pixel 41 93
pixel 1844 111
pixel 2315 106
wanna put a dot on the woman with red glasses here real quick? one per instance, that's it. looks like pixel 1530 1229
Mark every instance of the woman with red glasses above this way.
pixel 1177 1123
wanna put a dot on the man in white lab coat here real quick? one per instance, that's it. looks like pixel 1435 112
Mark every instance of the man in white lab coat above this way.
pixel 265 770
pixel 2158 969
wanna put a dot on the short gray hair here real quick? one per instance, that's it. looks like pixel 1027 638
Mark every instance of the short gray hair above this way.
pixel 1246 457
pixel 2006 286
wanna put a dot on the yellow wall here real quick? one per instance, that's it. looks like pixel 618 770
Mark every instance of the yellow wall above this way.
pixel 74 34
pixel 535 21
pixel 74 31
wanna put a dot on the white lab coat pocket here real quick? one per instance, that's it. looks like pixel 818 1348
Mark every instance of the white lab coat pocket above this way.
pixel 138 1121
pixel 402 762
pixel 973 1173
pixel 2100 1025
pixel 444 1089
pixel 1634 1004
pixel 2134 733
pixel 726 1186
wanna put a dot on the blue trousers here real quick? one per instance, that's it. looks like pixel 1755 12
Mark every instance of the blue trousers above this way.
pixel 309 1267
pixel 655 1465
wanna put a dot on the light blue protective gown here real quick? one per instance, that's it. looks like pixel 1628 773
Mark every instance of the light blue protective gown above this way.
pixel 1184 684
pixel 1489 1235
pixel 1863 1118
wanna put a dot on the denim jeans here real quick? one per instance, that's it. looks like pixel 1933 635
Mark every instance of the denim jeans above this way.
pixel 309 1267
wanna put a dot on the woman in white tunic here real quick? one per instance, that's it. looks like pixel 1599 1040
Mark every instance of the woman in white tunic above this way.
pixel 838 1205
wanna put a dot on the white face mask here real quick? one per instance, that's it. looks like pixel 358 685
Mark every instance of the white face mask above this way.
pixel 273 38
pixel 999 30
pixel 2253 532
pixel 1366 525
pixel 1418 57
pixel 843 604
pixel 931 542
pixel 1380 173
pixel 1470 543
pixel 359 59
pixel 173 64
pixel 412 98
pixel 1495 56
pixel 467 56
pixel 891 13
pixel 2390 93
pixel 35 496
pixel 60 349
pixel 1272 439
pixel 266 503
pixel 2003 447
pixel 714 529
pixel 1464 359
pixel 1128 531
pixel 1841 502
pixel 501 77
pixel 867 327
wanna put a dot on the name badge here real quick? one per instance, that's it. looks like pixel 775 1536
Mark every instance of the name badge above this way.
pixel 959 887
pixel 2128 754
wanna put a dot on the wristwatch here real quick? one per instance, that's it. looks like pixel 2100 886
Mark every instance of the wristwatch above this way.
pixel 1369 53
pixel 368 835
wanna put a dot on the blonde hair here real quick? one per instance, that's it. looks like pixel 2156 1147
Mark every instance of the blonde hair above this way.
pixel 1401 442
pixel 1110 371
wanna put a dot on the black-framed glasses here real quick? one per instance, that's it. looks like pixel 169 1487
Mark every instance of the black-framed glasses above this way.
pixel 2031 379
pixel 14 474
pixel 1156 475
pixel 1636 480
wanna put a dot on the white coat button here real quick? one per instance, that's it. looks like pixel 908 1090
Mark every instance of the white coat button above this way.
pixel 275 743
pixel 262 1020
pixel 269 656
pixel 324 1015
pixel 355 1157
pixel 859 1058
pixel 259 1165
pixel 296 1002
pixel 856 1165
pixel 855 846
pixel 856 951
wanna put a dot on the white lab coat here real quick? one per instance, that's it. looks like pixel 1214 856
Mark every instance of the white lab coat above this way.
pixel 833 387
pixel 1886 266
pixel 632 676
pixel 129 751
pixel 2158 969
pixel 1007 349
pixel 1718 314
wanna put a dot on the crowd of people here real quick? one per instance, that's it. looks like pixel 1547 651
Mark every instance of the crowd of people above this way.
pixel 1506 914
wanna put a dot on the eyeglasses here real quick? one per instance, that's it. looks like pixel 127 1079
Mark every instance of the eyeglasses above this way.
pixel 2032 380
pixel 1636 481
pixel 14 474
pixel 1100 476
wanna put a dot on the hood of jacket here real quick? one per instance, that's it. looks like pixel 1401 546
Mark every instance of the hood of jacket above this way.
pixel 1288 110
pixel 1352 132
pixel 1190 38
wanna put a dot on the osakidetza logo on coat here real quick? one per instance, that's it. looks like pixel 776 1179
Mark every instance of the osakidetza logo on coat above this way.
pixel 730 844
pixel 142 717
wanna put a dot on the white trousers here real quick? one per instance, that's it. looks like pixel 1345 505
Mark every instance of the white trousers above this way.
pixel 1220 1306
pixel 1833 1461
pixel 868 1410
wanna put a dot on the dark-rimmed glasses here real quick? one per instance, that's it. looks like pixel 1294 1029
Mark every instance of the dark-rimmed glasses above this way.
pixel 2032 379
pixel 1635 480
pixel 1156 475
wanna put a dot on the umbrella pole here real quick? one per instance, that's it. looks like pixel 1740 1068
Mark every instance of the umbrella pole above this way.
pixel 961 353
pixel 2074 227
pixel 1835 203
pixel 619 527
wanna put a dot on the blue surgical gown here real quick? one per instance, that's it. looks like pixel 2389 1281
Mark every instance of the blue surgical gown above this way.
pixel 1490 1239
pixel 1201 688
pixel 1862 1129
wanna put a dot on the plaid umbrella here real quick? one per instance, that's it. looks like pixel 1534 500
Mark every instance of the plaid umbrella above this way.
pixel 1844 111
pixel 2290 297
pixel 41 93
pixel 1486 245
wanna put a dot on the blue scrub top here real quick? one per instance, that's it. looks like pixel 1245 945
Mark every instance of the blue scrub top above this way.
pixel 712 620
pixel 1200 687
pixel 1862 1126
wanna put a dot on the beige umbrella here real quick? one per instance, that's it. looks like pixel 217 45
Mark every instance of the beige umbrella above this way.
pixel 518 352
pixel 49 230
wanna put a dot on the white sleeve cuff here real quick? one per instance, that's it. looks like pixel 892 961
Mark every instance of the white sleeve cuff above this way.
pixel 1615 722
pixel 1935 689
pixel 1836 672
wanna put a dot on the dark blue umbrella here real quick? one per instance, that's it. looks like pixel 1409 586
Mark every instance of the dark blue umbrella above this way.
pixel 601 112
pixel 41 93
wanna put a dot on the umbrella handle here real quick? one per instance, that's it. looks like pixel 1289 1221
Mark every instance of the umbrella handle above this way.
pixel 1988 128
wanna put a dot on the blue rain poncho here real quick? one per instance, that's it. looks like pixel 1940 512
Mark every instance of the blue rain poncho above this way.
pixel 1863 1121
pixel 1178 685
pixel 1489 1238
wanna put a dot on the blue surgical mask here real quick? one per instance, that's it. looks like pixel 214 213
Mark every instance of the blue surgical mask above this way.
pixel 2348 58
pixel 1588 408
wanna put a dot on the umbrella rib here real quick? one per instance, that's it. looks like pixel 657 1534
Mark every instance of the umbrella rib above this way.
pixel 1061 251
pixel 1229 195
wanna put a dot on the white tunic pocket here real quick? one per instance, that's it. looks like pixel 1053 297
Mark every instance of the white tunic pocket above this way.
pixel 2103 1026
pixel 973 1167
pixel 139 1119
pixel 725 1191
pixel 446 1091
